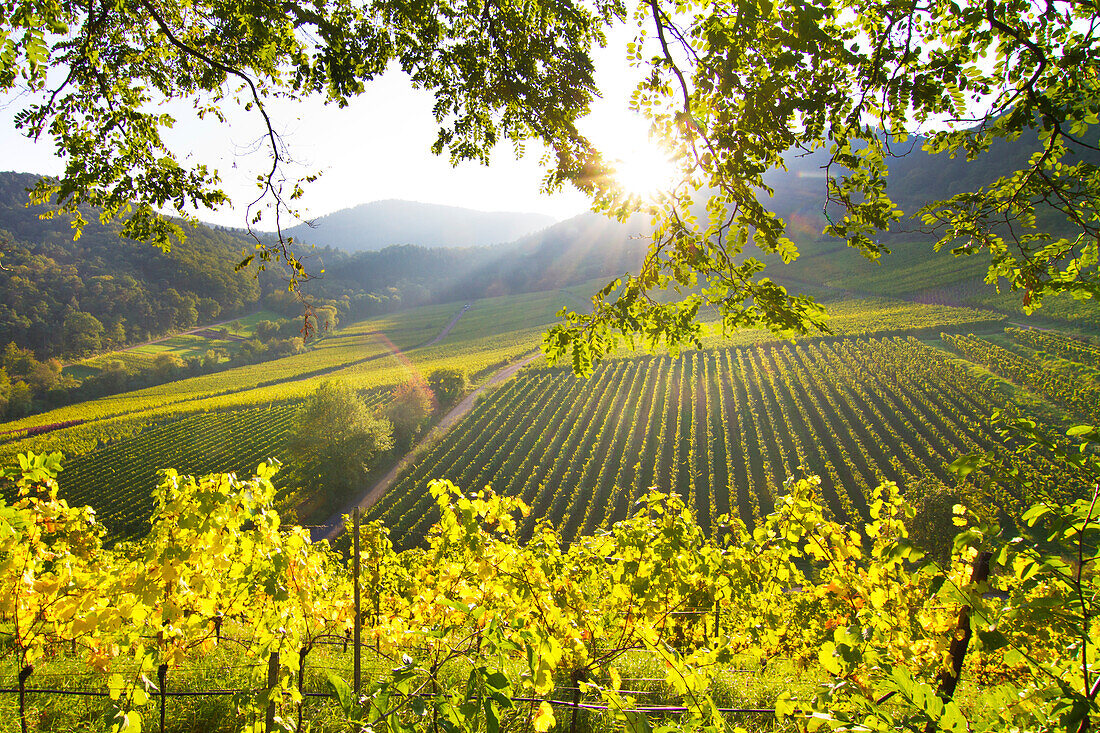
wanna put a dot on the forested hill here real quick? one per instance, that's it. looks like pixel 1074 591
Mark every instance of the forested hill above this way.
pixel 61 297
pixel 380 224
pixel 64 297
pixel 570 252
pixel 916 178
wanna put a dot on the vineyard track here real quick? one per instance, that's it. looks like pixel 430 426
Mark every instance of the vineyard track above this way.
pixel 335 524
pixel 446 329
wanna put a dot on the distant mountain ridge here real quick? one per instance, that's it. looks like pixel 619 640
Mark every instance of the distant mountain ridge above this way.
pixel 380 224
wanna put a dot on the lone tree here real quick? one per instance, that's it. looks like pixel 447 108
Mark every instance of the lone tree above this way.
pixel 338 439
pixel 448 384
pixel 411 404
pixel 733 89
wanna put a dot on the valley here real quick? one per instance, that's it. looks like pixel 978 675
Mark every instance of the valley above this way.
pixel 699 454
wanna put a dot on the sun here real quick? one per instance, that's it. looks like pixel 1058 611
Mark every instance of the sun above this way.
pixel 646 172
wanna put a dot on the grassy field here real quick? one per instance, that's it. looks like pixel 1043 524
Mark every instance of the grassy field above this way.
pixel 182 345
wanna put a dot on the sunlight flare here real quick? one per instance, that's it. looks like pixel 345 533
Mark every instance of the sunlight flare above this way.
pixel 646 172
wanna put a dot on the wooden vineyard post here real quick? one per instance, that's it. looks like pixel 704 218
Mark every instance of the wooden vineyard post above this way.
pixel 162 681
pixel 358 623
pixel 301 682
pixel 376 576
pixel 577 676
pixel 23 675
pixel 272 683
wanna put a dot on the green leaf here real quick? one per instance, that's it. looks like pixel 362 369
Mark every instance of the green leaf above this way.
pixel 952 719
pixel 115 685
pixel 492 724
pixel 343 694
pixel 992 640
pixel 964 465
pixel 497 680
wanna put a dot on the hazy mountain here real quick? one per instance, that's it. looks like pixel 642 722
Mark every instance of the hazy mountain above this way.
pixel 569 252
pixel 916 178
pixel 573 251
pixel 380 224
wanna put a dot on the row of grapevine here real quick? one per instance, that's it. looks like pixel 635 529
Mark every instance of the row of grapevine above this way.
pixel 1075 394
pixel 403 507
pixel 118 470
pixel 725 429
pixel 1064 345
pixel 118 479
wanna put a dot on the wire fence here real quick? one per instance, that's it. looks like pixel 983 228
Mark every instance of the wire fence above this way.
pixel 634 687
pixel 352 641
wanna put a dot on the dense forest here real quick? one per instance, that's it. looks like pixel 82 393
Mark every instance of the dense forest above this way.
pixel 104 291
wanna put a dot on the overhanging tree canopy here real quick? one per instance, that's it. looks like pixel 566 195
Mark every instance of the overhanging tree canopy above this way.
pixel 737 86
pixel 99 70
pixel 732 87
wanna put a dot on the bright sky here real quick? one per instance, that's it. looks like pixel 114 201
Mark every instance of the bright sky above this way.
pixel 376 148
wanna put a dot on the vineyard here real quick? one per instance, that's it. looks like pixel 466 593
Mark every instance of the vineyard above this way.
pixel 870 316
pixel 723 428
pixel 1082 398
pixel 356 356
pixel 576 587
pixel 118 479
pixel 1060 344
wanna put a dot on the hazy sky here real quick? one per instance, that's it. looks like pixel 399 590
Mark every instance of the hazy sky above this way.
pixel 376 148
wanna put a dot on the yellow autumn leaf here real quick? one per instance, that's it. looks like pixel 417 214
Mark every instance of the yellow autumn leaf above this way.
pixel 115 683
pixel 544 718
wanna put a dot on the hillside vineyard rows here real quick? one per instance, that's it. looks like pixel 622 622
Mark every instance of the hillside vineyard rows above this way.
pixel 1084 400
pixel 355 356
pixel 723 428
pixel 115 479
pixel 1067 347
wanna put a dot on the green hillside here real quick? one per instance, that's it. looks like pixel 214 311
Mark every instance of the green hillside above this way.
pixel 208 422
pixel 132 290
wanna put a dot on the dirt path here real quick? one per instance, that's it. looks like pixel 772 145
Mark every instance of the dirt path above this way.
pixel 446 329
pixel 330 529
